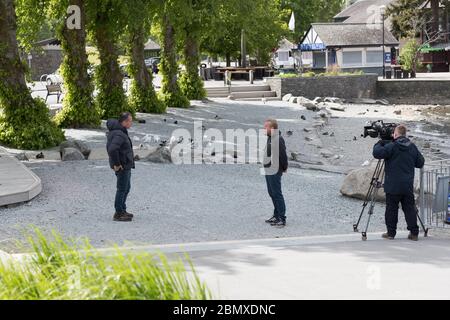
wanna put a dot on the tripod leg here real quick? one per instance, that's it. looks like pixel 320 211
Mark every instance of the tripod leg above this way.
pixel 425 230
pixel 373 182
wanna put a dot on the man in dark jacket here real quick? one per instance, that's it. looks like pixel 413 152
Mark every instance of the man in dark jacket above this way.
pixel 275 164
pixel 121 160
pixel 401 158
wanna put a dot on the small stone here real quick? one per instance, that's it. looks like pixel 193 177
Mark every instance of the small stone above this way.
pixel 302 117
pixel 398 112
pixel 40 156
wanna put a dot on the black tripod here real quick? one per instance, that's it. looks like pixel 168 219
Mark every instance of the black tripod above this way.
pixel 375 184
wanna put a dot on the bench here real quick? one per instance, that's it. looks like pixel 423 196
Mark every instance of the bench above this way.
pixel 53 90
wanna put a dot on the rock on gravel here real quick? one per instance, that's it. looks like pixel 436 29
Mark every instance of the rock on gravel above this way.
pixel 286 97
pixel 75 144
pixel 357 182
pixel 160 155
pixel 71 154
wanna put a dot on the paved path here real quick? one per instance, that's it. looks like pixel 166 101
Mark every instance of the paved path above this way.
pixel 323 267
pixel 17 182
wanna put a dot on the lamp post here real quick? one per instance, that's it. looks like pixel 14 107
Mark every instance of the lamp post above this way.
pixel 383 11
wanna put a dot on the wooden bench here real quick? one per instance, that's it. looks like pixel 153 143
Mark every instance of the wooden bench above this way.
pixel 53 90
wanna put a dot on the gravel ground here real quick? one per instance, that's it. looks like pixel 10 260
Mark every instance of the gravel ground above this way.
pixel 175 204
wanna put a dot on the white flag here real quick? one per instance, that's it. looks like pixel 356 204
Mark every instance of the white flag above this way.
pixel 292 22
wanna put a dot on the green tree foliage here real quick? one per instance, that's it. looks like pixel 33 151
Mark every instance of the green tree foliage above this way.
pixel 310 11
pixel 139 16
pixel 405 17
pixel 409 55
pixel 106 23
pixel 263 21
pixel 24 122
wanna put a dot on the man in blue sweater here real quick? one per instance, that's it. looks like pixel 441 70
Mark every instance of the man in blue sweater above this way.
pixel 401 158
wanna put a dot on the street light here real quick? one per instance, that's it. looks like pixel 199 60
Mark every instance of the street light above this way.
pixel 383 11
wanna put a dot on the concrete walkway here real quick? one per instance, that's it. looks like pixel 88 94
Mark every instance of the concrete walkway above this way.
pixel 323 267
pixel 17 182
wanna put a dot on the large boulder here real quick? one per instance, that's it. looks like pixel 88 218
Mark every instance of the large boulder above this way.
pixel 308 104
pixel 357 183
pixel 75 144
pixel 71 154
pixel 286 97
pixel 160 155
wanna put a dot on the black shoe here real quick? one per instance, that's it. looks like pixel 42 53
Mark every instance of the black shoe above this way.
pixel 271 220
pixel 279 223
pixel 413 237
pixel 387 236
pixel 122 217
pixel 128 214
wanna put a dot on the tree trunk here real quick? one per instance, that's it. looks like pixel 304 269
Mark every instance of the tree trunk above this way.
pixel 78 107
pixel 12 71
pixel 111 97
pixel 191 83
pixel 24 122
pixel 171 93
pixel 435 20
pixel 228 59
pixel 143 95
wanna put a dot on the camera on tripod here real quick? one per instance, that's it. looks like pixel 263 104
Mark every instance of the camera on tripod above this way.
pixel 379 129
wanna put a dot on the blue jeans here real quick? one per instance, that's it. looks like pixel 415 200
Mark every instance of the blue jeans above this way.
pixel 274 188
pixel 123 188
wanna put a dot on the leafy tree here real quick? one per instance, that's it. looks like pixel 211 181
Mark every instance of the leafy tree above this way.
pixel 197 19
pixel 404 16
pixel 106 23
pixel 263 22
pixel 310 11
pixel 33 16
pixel 409 55
pixel 169 17
pixel 143 97
pixel 79 109
pixel 24 121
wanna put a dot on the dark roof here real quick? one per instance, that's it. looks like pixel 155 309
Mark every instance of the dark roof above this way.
pixel 363 11
pixel 151 45
pixel 51 41
pixel 353 34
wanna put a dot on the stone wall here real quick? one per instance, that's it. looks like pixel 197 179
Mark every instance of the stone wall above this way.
pixel 347 87
pixel 414 91
pixel 45 62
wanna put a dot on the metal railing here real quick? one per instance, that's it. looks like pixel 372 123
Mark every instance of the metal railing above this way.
pixel 432 215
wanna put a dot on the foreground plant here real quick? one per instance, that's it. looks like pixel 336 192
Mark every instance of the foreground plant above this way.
pixel 59 270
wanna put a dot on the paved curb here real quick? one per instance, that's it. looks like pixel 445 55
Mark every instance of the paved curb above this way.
pixel 18 183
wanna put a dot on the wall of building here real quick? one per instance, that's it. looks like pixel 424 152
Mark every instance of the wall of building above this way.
pixel 45 62
pixel 414 91
pixel 363 86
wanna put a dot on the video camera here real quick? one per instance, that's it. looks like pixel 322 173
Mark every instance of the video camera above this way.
pixel 379 129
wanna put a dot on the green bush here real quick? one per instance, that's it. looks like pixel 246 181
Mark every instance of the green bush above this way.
pixel 309 74
pixel 191 86
pixel 288 75
pixel 59 270
pixel 409 57
pixel 111 100
pixel 170 93
pixel 143 100
pixel 27 125
pixel 78 110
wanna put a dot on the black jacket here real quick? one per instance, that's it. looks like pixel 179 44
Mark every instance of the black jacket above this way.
pixel 401 158
pixel 283 159
pixel 119 146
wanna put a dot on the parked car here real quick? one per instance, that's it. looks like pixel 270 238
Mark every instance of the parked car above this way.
pixel 152 64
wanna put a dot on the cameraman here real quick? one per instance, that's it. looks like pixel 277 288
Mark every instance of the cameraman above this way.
pixel 401 158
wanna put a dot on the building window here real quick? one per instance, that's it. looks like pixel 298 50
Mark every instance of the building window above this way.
pixel 352 58
pixel 374 57
pixel 283 56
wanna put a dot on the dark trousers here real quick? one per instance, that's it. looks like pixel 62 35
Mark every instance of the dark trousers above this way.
pixel 408 207
pixel 274 188
pixel 123 188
